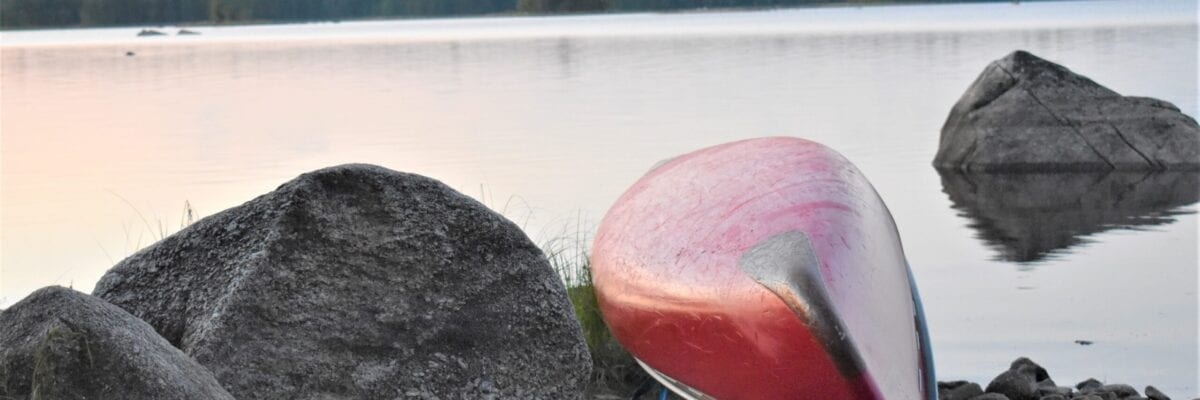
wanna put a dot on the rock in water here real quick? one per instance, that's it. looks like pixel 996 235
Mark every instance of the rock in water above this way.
pixel 1024 113
pixel 1020 381
pixel 62 344
pixel 1154 394
pixel 967 391
pixel 360 282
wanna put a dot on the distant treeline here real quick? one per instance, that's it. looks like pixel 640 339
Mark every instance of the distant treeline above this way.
pixel 68 13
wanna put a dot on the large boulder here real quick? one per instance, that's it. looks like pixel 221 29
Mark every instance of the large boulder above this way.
pixel 1024 113
pixel 58 343
pixel 360 282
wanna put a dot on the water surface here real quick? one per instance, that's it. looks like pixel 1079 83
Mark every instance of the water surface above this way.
pixel 550 119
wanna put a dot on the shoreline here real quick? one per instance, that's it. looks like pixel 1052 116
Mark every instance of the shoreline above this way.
pixel 518 14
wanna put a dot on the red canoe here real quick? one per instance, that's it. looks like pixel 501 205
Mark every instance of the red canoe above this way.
pixel 763 269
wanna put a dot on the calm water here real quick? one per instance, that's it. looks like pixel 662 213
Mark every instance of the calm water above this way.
pixel 550 119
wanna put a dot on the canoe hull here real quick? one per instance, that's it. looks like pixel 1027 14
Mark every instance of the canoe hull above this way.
pixel 765 268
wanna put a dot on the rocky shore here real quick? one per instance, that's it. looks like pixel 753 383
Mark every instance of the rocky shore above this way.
pixel 357 281
pixel 1026 380
pixel 353 281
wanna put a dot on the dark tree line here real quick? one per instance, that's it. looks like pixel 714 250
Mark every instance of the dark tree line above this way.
pixel 69 13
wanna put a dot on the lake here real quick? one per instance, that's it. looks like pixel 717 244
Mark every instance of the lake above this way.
pixel 549 119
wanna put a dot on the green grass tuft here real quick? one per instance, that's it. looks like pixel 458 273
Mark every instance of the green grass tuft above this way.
pixel 614 371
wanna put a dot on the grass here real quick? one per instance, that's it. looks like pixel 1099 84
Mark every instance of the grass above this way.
pixel 614 371
pixel 158 231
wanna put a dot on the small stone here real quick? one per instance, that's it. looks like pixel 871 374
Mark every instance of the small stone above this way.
pixel 966 391
pixel 1089 383
pixel 1154 394
pixel 1015 384
pixel 1053 397
pixel 991 396
pixel 1040 373
pixel 945 387
pixel 1059 390
pixel 951 384
pixel 1087 397
pixel 1120 389
pixel 1103 395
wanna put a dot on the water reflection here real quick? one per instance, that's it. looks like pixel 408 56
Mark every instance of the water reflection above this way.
pixel 1030 217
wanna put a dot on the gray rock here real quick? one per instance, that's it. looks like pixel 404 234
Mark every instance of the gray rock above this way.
pixel 947 385
pixel 1059 390
pixel 991 396
pixel 58 343
pixel 1087 397
pixel 360 282
pixel 966 391
pixel 1103 395
pixel 1016 384
pixel 1053 397
pixel 1024 113
pixel 1039 374
pixel 944 387
pixel 1154 394
pixel 1120 389
pixel 1090 383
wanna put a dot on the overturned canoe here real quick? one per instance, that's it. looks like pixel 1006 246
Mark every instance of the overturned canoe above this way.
pixel 762 269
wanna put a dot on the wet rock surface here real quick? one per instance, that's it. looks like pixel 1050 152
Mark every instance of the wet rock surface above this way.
pixel 360 282
pixel 1024 113
pixel 58 343
pixel 1026 379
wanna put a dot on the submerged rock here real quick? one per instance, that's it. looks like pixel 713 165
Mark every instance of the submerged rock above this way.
pixel 1024 113
pixel 58 343
pixel 360 282
pixel 150 32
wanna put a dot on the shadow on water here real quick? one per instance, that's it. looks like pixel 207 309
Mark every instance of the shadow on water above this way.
pixel 1029 217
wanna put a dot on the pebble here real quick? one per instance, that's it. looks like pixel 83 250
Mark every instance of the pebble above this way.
pixel 1016 384
pixel 1026 380
pixel 1154 394
pixel 965 391
pixel 991 396
pixel 1121 390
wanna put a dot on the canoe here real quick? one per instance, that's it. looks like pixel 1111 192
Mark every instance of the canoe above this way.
pixel 763 269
